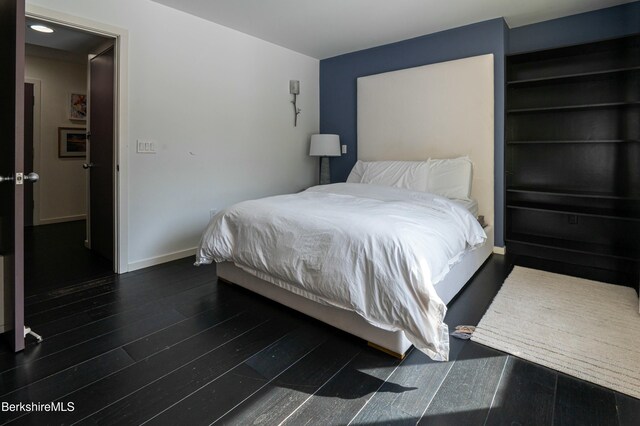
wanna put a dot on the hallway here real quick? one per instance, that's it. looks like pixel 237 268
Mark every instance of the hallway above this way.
pixel 55 257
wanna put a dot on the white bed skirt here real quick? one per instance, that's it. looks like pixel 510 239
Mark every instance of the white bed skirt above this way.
pixel 391 341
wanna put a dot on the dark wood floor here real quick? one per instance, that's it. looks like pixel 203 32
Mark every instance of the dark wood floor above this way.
pixel 171 345
pixel 55 256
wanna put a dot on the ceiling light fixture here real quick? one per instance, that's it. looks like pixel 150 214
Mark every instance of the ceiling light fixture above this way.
pixel 41 28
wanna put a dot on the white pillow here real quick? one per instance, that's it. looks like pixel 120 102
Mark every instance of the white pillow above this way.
pixel 356 173
pixel 411 175
pixel 451 178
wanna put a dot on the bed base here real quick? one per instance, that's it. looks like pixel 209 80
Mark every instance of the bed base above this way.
pixel 393 343
pixel 386 351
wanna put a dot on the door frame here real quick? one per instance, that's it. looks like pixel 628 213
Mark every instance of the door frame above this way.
pixel 121 131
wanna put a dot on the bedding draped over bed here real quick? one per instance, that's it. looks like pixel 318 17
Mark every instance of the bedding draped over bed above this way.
pixel 373 250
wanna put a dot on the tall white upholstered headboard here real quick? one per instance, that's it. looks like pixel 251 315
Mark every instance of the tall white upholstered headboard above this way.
pixel 443 110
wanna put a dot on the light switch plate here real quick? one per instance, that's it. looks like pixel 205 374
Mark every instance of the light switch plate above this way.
pixel 344 149
pixel 145 147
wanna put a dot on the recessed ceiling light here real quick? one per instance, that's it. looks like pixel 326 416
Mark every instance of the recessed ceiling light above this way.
pixel 41 28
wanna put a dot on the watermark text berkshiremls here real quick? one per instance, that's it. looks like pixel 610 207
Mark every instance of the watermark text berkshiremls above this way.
pixel 34 407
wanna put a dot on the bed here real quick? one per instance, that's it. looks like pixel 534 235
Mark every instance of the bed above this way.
pixel 383 134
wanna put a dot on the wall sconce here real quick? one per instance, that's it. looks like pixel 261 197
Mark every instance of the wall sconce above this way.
pixel 294 89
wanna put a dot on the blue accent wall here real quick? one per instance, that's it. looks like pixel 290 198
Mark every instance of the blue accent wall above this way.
pixel 338 88
pixel 338 74
pixel 618 21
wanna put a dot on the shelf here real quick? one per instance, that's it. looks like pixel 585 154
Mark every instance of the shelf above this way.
pixel 575 246
pixel 571 120
pixel 575 76
pixel 575 50
pixel 577 210
pixel 573 193
pixel 612 141
pixel 574 107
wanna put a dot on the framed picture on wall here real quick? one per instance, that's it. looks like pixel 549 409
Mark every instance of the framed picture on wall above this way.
pixel 72 142
pixel 77 106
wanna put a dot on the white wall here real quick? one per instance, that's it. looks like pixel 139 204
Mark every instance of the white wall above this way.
pixel 61 191
pixel 216 102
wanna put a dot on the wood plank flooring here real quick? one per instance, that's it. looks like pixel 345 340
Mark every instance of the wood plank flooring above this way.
pixel 172 345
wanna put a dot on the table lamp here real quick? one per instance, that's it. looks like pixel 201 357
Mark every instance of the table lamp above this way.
pixel 324 146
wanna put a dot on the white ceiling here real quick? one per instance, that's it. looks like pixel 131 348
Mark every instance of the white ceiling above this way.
pixel 326 28
pixel 63 38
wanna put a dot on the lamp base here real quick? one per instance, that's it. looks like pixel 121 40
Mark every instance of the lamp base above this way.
pixel 325 173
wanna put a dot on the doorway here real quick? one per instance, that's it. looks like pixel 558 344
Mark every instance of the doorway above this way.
pixel 68 242
pixel 13 176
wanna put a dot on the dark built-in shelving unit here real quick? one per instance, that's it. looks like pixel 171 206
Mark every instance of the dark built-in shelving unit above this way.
pixel 573 159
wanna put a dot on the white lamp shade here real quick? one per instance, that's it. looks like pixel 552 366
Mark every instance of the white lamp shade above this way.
pixel 325 146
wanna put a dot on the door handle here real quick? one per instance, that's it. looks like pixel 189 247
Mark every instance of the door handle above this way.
pixel 33 177
pixel 87 165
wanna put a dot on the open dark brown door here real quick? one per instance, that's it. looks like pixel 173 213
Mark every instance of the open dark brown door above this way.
pixel 101 147
pixel 28 151
pixel 12 23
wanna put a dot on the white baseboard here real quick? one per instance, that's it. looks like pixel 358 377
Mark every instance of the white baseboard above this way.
pixel 500 250
pixel 62 219
pixel 145 263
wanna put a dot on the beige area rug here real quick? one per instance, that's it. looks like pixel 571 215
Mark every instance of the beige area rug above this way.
pixel 583 328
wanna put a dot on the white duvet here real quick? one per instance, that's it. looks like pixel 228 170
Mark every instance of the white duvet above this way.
pixel 374 250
